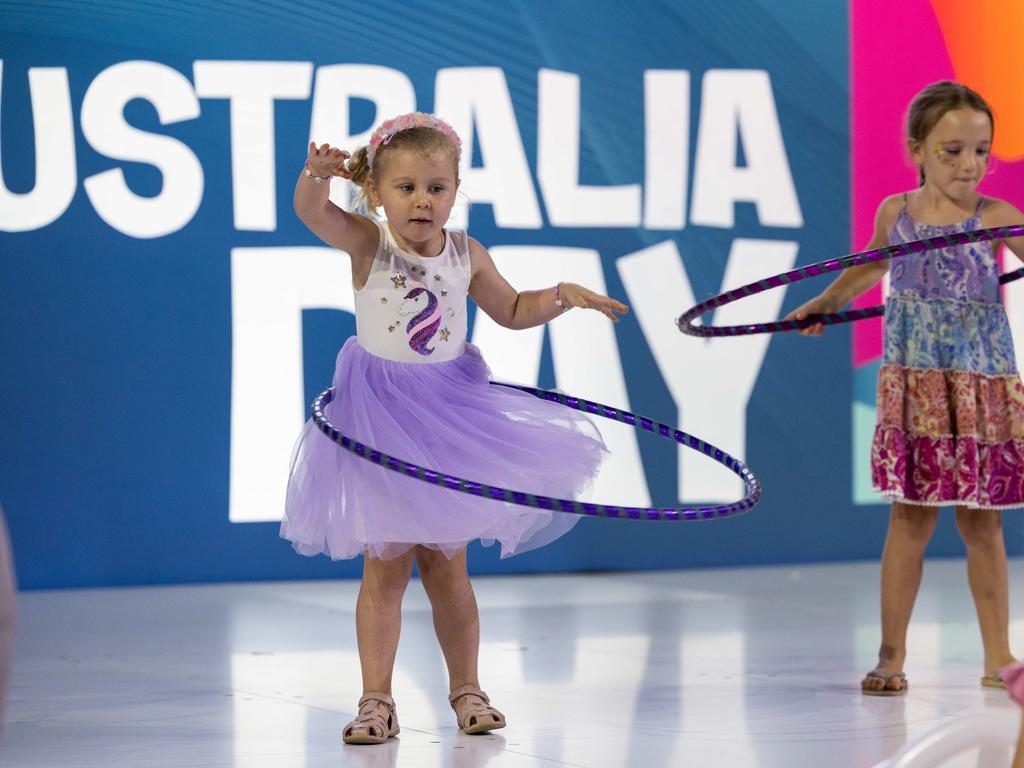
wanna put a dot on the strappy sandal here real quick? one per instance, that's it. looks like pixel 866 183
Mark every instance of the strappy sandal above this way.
pixel 885 690
pixel 477 716
pixel 993 681
pixel 370 726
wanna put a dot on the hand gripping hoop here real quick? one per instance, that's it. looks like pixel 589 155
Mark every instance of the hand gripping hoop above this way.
pixel 686 320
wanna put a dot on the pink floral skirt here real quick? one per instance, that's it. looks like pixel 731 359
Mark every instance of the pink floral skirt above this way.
pixel 949 437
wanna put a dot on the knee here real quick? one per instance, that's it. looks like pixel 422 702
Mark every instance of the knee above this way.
pixel 914 524
pixel 387 578
pixel 386 586
pixel 979 527
pixel 438 572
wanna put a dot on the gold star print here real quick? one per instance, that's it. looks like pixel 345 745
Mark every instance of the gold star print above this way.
pixel 391 329
pixel 444 291
pixel 384 299
pixel 451 312
pixel 437 278
pixel 444 334
pixel 398 280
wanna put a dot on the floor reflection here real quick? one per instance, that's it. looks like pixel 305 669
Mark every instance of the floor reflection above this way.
pixel 754 667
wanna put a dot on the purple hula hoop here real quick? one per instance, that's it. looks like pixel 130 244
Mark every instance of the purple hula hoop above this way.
pixel 686 320
pixel 752 486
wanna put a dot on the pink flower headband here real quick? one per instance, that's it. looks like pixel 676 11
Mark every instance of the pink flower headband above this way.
pixel 389 128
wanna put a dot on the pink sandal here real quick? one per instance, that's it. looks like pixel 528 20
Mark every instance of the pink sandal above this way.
pixel 370 726
pixel 477 716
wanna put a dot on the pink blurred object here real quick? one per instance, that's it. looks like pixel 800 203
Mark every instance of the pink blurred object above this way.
pixel 1013 676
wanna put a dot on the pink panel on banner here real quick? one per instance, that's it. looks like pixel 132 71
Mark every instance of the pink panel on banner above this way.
pixel 896 49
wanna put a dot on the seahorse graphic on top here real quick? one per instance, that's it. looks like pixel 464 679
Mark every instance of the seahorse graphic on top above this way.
pixel 426 320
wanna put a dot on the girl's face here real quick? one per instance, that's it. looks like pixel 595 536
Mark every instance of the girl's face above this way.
pixel 954 154
pixel 417 192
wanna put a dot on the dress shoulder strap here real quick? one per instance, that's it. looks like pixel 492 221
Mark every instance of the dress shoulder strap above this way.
pixel 460 240
pixel 381 259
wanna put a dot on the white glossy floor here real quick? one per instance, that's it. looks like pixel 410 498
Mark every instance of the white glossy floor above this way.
pixel 751 667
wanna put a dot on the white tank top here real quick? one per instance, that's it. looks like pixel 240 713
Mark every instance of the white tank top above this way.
pixel 413 308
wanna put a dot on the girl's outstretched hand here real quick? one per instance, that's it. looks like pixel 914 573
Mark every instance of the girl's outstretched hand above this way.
pixel 584 298
pixel 819 305
pixel 328 161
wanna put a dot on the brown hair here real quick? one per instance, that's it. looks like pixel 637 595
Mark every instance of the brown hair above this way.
pixel 426 141
pixel 933 102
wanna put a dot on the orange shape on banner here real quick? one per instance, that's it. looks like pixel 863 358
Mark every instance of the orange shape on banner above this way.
pixel 982 38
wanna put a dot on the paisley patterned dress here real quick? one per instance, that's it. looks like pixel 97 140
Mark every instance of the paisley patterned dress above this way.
pixel 950 425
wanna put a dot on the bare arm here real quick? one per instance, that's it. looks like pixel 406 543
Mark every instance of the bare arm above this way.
pixel 354 234
pixel 999 213
pixel 855 280
pixel 517 310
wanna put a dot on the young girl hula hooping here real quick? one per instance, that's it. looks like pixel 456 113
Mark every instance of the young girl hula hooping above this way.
pixel 410 385
pixel 950 428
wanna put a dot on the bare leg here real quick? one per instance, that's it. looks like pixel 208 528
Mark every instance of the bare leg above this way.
pixel 982 532
pixel 456 619
pixel 910 530
pixel 378 625
pixel 379 618
pixel 457 624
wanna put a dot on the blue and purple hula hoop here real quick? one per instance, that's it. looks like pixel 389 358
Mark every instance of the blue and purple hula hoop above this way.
pixel 685 322
pixel 752 486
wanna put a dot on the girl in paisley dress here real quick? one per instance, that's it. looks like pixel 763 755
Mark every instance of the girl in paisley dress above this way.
pixel 950 429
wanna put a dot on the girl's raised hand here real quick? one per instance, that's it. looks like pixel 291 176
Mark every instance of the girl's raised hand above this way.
pixel 328 161
pixel 584 298
pixel 819 305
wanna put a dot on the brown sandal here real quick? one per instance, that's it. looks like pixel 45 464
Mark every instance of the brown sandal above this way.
pixel 477 716
pixel 370 726
pixel 885 690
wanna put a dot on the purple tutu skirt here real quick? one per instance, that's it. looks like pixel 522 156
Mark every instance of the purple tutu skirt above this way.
pixel 443 416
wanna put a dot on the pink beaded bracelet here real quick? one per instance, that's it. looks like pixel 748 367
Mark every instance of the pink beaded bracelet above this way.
pixel 562 305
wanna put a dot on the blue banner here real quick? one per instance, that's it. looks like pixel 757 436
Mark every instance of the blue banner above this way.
pixel 167 319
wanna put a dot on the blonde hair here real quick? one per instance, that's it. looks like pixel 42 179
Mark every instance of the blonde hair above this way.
pixel 425 141
pixel 933 102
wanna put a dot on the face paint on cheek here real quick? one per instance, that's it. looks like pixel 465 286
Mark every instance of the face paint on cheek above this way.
pixel 944 155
